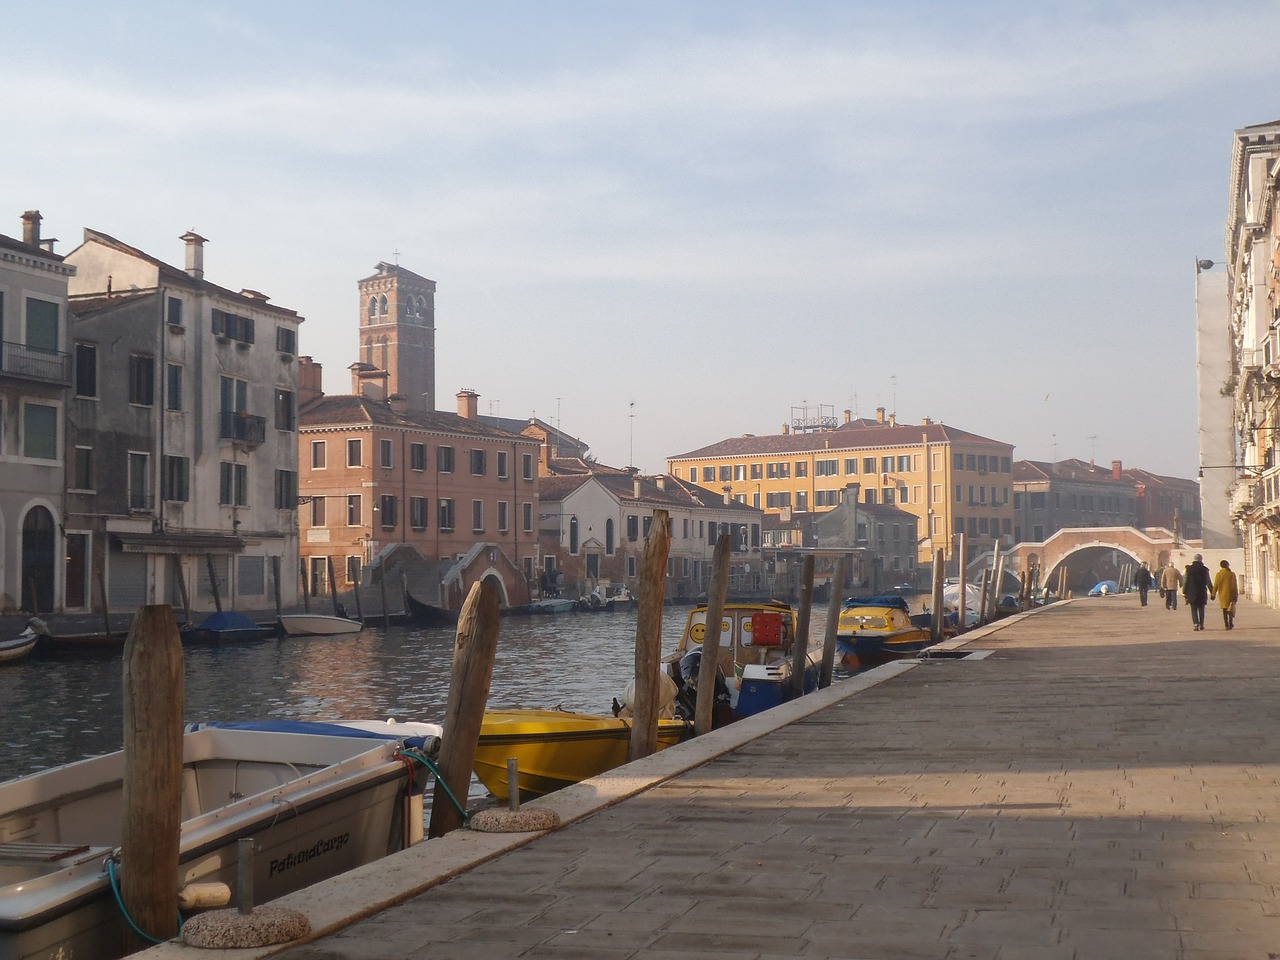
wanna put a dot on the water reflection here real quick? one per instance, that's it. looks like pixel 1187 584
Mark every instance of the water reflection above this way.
pixel 57 711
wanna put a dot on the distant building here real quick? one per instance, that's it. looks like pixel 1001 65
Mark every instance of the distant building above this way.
pixel 398 337
pixel 951 480
pixel 557 444
pixel 35 372
pixel 182 438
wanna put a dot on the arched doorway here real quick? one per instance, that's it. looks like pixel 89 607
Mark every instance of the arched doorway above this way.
pixel 37 561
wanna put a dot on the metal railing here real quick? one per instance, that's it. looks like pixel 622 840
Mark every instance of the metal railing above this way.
pixel 33 363
pixel 241 427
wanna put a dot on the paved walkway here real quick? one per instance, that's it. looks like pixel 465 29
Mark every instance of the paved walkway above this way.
pixel 1103 785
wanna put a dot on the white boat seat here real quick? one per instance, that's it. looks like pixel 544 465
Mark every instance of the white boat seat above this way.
pixel 25 852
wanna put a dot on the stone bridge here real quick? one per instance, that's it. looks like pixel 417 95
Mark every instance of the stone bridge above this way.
pixel 1094 553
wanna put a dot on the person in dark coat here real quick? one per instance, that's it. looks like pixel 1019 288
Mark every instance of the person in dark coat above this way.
pixel 1143 581
pixel 1195 587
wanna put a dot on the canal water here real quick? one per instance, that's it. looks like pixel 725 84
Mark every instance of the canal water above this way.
pixel 56 711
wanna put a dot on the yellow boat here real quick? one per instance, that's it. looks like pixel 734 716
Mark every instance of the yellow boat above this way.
pixel 556 748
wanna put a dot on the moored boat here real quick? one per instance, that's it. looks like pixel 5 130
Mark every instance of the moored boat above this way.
pixel 226 627
pixel 552 605
pixel 875 630
pixel 11 651
pixel 427 614
pixel 556 748
pixel 317 625
pixel 316 802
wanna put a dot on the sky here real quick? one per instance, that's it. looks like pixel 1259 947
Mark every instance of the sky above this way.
pixel 661 224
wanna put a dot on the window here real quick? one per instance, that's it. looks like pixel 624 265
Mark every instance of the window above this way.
pixel 889 495
pixel 982 465
pixel 353 510
pixel 868 464
pixel 610 538
pixel 229 326
pixel 726 472
pixel 526 523
pixel 354 453
pixel 353 569
pixel 802 468
pixel 444 459
pixel 287 340
pixel 802 500
pixel 902 495
pixel 526 466
pixel 39 431
pixel 477 463
pixel 631 566
pixel 418 456
pixel 286 489
pixel 317 511
pixel 971 461
pixel 477 516
pixel 633 527
pixel 175 479
pixel 886 464
pixel 86 370
pixel 139 481
pixel 387 507
pixel 418 513
pixel 445 510
pixel 173 311
pixel 42 325
pixel 708 474
pixel 757 471
pixel 233 395
pixel 384 454
pixel 286 418
pixel 826 468
pixel 868 496
pixel 573 535
pixel 82 478
pixel 233 484
pixel 502 464
pixel 904 463
pixel 740 471
pixel 142 380
pixel 957 463
pixel 319 454
pixel 646 524
pixel 173 387
pixel 504 520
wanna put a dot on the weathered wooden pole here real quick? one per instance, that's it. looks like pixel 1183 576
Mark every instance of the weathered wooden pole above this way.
pixel 962 563
pixel 653 586
pixel 333 587
pixel 1022 589
pixel 994 584
pixel 275 581
pixel 984 604
pixel 306 586
pixel 359 609
pixel 833 623
pixel 939 577
pixel 102 599
pixel 716 593
pixel 382 590
pixel 213 581
pixel 474 649
pixel 151 820
pixel 800 648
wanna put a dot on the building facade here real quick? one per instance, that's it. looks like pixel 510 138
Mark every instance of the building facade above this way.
pixel 951 480
pixel 398 335
pixel 182 434
pixel 35 372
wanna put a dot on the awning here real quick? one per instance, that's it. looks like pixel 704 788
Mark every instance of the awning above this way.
pixel 179 543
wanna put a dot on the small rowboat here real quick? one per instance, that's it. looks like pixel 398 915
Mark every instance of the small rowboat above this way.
pixel 556 748
pixel 317 625
pixel 17 649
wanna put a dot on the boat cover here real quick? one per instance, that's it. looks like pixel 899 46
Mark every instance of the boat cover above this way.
pixel 313 727
pixel 891 600
pixel 228 620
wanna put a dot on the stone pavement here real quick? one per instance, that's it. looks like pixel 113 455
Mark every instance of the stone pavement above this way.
pixel 1102 785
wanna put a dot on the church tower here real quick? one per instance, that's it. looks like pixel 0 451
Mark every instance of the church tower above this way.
pixel 398 333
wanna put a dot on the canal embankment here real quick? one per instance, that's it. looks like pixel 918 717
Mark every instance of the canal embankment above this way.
pixel 1103 782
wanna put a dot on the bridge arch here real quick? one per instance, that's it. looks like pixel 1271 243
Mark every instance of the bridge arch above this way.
pixel 1091 554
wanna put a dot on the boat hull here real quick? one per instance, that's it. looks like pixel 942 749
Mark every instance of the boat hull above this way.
pixel 11 651
pixel 315 806
pixel 555 749
pixel 318 625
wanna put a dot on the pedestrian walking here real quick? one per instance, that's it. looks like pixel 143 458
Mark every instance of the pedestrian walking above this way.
pixel 1170 582
pixel 1143 579
pixel 1195 587
pixel 1227 589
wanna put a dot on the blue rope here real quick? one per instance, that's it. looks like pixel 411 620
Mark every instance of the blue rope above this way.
pixel 115 889
pixel 419 757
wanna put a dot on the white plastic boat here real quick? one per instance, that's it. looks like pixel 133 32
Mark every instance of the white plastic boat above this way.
pixel 317 625
pixel 318 801
pixel 23 643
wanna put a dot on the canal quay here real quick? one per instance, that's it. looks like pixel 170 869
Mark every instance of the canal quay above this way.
pixel 1097 781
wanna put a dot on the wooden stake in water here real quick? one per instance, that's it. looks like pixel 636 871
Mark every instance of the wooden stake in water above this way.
pixel 716 593
pixel 800 647
pixel 653 585
pixel 833 623
pixel 939 578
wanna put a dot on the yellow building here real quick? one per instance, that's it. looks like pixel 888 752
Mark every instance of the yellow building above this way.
pixel 954 481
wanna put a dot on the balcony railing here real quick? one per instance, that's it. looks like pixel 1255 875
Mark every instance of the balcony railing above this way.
pixel 242 427
pixel 33 363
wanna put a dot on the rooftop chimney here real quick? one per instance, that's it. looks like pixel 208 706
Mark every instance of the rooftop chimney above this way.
pixel 31 227
pixel 848 416
pixel 195 254
pixel 893 419
pixel 662 481
pixel 546 457
pixel 398 402
pixel 635 488
pixel 926 421
pixel 1117 469
pixel 468 404
pixel 309 379
pixel 879 414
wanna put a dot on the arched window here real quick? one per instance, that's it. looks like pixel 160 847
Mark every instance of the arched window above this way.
pixel 382 305
pixel 608 537
pixel 373 307
pixel 573 535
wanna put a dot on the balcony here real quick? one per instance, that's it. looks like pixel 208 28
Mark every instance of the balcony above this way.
pixel 241 427
pixel 33 363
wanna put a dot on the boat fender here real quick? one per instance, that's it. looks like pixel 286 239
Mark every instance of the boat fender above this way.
pixel 667 691
pixel 202 896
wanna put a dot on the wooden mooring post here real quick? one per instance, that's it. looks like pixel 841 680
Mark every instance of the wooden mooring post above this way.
pixel 333 587
pixel 653 585
pixel 717 591
pixel 962 572
pixel 939 578
pixel 152 818
pixel 800 645
pixel 833 623
pixel 474 649
pixel 213 581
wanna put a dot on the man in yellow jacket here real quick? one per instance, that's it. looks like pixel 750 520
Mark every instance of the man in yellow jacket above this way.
pixel 1227 590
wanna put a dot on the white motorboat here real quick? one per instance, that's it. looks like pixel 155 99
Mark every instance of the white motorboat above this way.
pixel 317 625
pixel 317 799
pixel 552 605
pixel 21 645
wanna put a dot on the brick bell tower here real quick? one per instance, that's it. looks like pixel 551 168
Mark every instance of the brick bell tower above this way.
pixel 398 333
